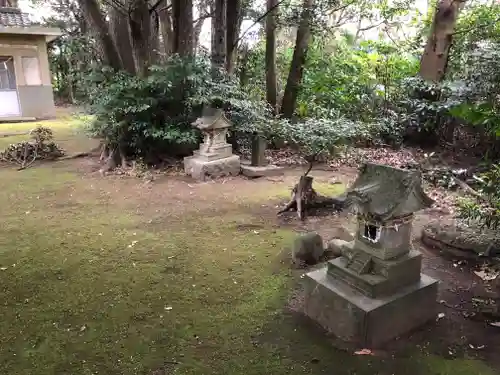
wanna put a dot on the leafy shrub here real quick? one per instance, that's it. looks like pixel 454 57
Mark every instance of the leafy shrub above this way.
pixel 150 117
pixel 316 138
pixel 485 211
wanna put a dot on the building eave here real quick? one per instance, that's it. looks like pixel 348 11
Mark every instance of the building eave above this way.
pixel 50 33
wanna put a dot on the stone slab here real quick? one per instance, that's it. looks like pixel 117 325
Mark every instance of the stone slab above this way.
pixel 261 171
pixel 366 322
pixel 204 170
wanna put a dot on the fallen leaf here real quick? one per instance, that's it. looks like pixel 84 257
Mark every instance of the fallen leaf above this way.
pixel 364 352
pixel 487 275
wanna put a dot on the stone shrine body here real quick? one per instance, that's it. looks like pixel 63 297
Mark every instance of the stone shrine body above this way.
pixel 375 292
pixel 214 158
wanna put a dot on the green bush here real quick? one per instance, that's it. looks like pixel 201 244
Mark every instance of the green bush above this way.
pixel 151 117
pixel 485 211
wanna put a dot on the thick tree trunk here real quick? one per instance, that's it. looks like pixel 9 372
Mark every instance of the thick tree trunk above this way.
pixel 140 32
pixel 121 34
pixel 95 17
pixel 233 20
pixel 167 32
pixel 435 57
pixel 182 20
pixel 271 84
pixel 298 61
pixel 219 34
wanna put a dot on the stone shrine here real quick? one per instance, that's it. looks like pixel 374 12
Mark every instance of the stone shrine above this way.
pixel 374 291
pixel 214 158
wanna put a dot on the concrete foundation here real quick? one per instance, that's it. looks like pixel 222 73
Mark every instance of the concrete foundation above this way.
pixel 261 171
pixel 364 321
pixel 203 169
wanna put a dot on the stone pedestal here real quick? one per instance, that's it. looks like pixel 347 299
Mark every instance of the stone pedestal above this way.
pixel 214 159
pixel 201 169
pixel 254 171
pixel 258 166
pixel 363 321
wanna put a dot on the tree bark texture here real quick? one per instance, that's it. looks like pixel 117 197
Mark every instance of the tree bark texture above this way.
pixel 167 33
pixel 298 61
pixel 435 57
pixel 271 83
pixel 182 20
pixel 219 30
pixel 233 20
pixel 95 17
pixel 140 33
pixel 121 34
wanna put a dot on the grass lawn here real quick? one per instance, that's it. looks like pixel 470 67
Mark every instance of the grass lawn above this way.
pixel 105 276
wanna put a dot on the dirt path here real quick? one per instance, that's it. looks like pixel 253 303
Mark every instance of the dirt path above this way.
pixel 454 335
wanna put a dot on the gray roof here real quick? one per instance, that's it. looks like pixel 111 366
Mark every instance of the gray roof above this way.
pixel 386 192
pixel 14 17
pixel 209 118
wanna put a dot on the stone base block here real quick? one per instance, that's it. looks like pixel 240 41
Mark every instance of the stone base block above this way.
pixel 261 171
pixel 363 321
pixel 204 170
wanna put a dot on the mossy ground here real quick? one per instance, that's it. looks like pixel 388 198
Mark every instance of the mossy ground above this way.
pixel 107 276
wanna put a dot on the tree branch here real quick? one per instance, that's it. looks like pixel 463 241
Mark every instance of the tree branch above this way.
pixel 372 26
pixel 157 4
pixel 256 22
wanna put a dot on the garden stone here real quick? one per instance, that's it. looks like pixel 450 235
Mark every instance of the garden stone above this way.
pixel 307 249
pixel 461 240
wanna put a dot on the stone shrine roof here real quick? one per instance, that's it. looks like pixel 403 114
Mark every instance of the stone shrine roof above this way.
pixel 14 17
pixel 386 192
pixel 212 118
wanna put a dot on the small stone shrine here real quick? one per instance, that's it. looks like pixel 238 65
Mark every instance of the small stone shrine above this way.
pixel 214 158
pixel 374 291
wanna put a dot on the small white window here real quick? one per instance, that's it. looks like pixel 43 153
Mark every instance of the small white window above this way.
pixel 371 233
pixel 7 73
pixel 31 70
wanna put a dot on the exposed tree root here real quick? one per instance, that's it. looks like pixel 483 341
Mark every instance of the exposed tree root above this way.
pixel 304 198
pixel 113 159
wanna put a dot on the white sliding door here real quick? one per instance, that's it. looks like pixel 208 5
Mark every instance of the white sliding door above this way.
pixel 9 100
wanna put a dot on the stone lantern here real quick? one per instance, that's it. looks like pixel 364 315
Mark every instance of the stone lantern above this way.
pixel 214 158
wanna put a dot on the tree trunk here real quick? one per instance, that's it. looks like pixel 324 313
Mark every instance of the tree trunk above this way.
pixel 140 33
pixel 435 57
pixel 95 17
pixel 271 84
pixel 167 33
pixel 218 52
pixel 298 61
pixel 203 13
pixel 121 34
pixel 233 20
pixel 243 63
pixel 155 53
pixel 182 20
